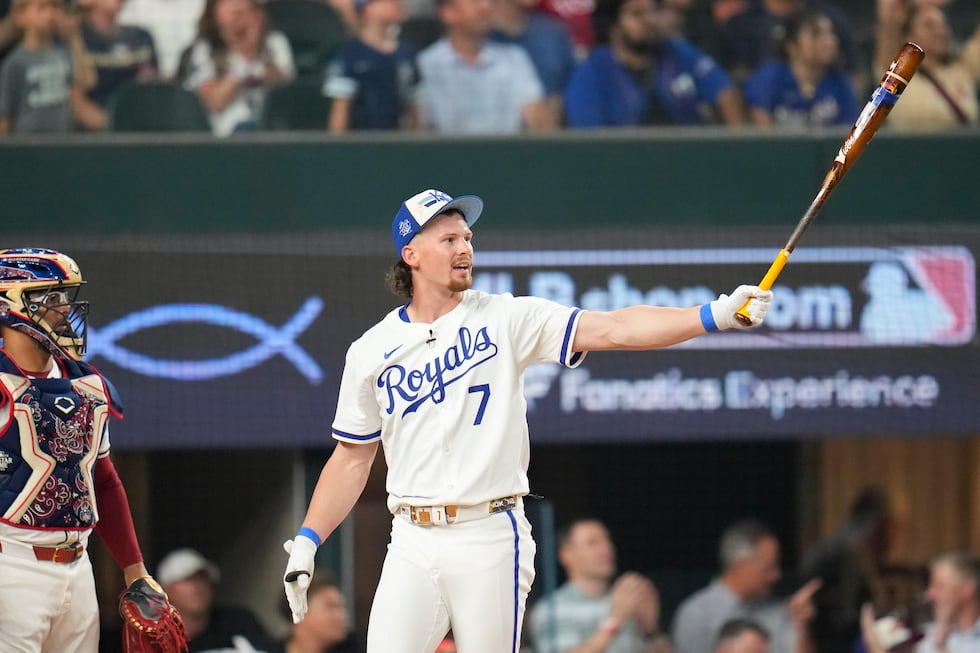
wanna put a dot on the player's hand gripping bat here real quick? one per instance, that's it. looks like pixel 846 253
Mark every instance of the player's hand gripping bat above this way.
pixel 892 84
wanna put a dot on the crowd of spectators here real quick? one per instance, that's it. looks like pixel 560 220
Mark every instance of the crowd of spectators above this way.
pixel 493 66
pixel 843 597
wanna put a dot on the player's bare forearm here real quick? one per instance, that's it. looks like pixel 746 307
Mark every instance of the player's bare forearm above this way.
pixel 340 485
pixel 637 327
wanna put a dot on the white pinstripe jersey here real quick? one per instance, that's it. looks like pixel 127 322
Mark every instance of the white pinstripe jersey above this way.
pixel 450 412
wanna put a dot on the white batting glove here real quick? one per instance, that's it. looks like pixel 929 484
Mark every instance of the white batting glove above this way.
pixel 299 573
pixel 724 309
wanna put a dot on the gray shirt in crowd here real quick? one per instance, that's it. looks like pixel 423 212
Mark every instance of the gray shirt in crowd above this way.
pixel 565 618
pixel 35 90
pixel 701 616
pixel 487 97
pixel 958 641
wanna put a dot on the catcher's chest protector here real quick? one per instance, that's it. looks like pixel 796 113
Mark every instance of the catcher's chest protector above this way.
pixel 49 448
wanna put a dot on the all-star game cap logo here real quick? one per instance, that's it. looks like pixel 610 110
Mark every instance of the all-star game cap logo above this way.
pixel 404 228
pixel 417 210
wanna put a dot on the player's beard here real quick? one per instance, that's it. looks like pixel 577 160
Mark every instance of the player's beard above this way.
pixel 460 284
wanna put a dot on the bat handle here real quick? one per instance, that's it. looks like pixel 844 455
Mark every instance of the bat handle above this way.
pixel 293 576
pixel 777 266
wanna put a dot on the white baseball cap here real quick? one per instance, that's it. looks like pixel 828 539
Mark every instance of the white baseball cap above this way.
pixel 181 564
pixel 417 210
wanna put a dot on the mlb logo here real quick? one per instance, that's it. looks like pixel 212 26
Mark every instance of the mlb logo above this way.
pixel 950 276
pixel 925 295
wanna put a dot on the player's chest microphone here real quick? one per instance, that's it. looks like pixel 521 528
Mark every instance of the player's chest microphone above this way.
pixel 432 338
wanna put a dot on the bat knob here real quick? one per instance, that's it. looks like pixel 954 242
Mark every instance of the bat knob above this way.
pixel 743 319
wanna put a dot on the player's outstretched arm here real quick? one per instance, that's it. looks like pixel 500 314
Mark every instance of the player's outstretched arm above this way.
pixel 653 327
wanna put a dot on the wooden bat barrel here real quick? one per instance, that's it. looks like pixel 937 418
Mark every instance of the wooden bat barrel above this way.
pixel 893 83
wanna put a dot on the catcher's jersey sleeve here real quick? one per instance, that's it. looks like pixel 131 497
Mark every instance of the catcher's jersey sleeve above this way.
pixel 447 399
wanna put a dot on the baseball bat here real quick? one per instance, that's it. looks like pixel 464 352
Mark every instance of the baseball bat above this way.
pixel 889 89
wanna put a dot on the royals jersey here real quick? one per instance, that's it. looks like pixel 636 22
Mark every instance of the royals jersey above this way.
pixel 52 430
pixel 446 399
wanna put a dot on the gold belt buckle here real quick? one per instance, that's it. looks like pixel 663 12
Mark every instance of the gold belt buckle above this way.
pixel 421 516
pixel 503 504
pixel 72 552
pixel 433 515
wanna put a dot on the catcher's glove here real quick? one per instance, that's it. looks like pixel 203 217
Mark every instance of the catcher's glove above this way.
pixel 150 623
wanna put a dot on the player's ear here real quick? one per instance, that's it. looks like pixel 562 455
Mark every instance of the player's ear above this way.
pixel 410 256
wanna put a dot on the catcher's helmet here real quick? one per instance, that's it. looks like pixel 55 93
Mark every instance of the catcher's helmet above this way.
pixel 38 291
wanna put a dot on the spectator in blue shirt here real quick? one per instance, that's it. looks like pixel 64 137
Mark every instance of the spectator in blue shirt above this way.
pixel 804 89
pixel 637 77
pixel 752 37
pixel 546 40
pixel 373 81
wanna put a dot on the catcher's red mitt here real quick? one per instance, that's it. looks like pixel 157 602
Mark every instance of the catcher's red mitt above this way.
pixel 150 623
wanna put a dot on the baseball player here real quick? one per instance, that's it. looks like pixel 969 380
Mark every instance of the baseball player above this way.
pixel 57 482
pixel 439 383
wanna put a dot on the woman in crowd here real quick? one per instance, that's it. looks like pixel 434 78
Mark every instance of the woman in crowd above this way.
pixel 943 93
pixel 804 88
pixel 234 61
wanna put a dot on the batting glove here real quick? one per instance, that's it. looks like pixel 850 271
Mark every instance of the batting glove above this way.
pixel 721 312
pixel 299 573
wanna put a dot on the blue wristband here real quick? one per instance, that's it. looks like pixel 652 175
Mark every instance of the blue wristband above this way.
pixel 309 534
pixel 707 319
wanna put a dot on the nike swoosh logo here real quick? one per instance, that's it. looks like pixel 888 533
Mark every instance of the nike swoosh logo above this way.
pixel 389 353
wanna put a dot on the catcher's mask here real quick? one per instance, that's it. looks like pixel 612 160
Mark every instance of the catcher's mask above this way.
pixel 38 296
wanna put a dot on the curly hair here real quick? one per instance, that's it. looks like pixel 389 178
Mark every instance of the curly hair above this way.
pixel 398 279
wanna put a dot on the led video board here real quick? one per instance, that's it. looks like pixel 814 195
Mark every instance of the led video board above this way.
pixel 241 343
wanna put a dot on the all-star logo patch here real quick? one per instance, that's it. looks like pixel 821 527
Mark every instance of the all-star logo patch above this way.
pixel 5 460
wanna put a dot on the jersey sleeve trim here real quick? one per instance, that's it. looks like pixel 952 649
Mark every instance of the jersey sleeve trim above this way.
pixel 354 438
pixel 571 358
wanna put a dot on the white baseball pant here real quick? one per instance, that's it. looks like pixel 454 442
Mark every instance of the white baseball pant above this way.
pixel 473 576
pixel 46 607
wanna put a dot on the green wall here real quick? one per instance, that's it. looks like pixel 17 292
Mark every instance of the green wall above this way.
pixel 303 182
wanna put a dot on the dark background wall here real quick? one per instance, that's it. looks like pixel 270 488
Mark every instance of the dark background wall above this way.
pixel 314 182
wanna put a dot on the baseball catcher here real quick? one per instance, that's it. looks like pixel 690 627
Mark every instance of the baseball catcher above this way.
pixel 57 482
